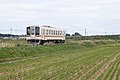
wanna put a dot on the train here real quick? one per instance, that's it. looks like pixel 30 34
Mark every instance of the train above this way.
pixel 45 34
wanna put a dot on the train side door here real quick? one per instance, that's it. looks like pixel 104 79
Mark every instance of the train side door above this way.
pixel 43 34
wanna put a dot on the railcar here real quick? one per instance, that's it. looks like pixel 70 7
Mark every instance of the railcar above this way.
pixel 44 34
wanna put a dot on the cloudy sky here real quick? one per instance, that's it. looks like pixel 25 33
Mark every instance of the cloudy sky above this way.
pixel 96 16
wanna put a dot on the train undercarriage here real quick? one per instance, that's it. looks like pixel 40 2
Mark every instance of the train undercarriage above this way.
pixel 42 42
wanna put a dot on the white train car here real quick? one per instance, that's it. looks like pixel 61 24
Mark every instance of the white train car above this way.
pixel 45 34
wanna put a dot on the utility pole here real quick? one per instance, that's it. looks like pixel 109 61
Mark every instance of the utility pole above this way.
pixel 16 32
pixel 105 33
pixel 11 30
pixel 11 33
pixel 113 33
pixel 85 32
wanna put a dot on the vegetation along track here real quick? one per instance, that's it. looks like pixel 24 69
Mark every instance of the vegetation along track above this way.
pixel 100 62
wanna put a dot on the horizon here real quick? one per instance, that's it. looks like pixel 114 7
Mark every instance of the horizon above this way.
pixel 68 33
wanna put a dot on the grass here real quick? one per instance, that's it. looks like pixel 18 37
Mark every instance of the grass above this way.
pixel 74 60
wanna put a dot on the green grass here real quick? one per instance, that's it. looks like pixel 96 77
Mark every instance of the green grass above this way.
pixel 73 60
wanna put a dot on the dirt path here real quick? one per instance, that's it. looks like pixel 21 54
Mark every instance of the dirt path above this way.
pixel 18 60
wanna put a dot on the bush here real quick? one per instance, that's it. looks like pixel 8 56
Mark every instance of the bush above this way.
pixel 87 44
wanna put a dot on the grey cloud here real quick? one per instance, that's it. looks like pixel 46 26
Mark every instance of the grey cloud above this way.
pixel 73 15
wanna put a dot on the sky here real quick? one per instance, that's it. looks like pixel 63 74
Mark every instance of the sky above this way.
pixel 98 17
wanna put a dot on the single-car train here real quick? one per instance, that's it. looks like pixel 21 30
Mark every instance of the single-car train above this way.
pixel 45 34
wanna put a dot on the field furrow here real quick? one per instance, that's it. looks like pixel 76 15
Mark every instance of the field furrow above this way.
pixel 103 68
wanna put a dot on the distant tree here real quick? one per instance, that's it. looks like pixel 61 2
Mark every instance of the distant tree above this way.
pixel 76 34
pixel 67 34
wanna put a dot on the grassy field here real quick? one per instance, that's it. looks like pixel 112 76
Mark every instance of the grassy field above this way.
pixel 74 60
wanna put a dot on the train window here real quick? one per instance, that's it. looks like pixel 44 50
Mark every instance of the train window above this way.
pixel 28 30
pixel 49 32
pixel 54 32
pixel 37 30
pixel 60 33
pixel 57 32
pixel 46 32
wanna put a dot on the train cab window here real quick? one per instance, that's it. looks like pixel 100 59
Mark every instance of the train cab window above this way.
pixel 37 30
pixel 49 32
pixel 28 30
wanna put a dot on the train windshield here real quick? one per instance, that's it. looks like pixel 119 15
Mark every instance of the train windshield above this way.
pixel 28 30
pixel 32 30
pixel 37 30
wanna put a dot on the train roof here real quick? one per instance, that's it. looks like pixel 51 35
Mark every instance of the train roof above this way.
pixel 45 26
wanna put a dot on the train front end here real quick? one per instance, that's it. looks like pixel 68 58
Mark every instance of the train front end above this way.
pixel 33 34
